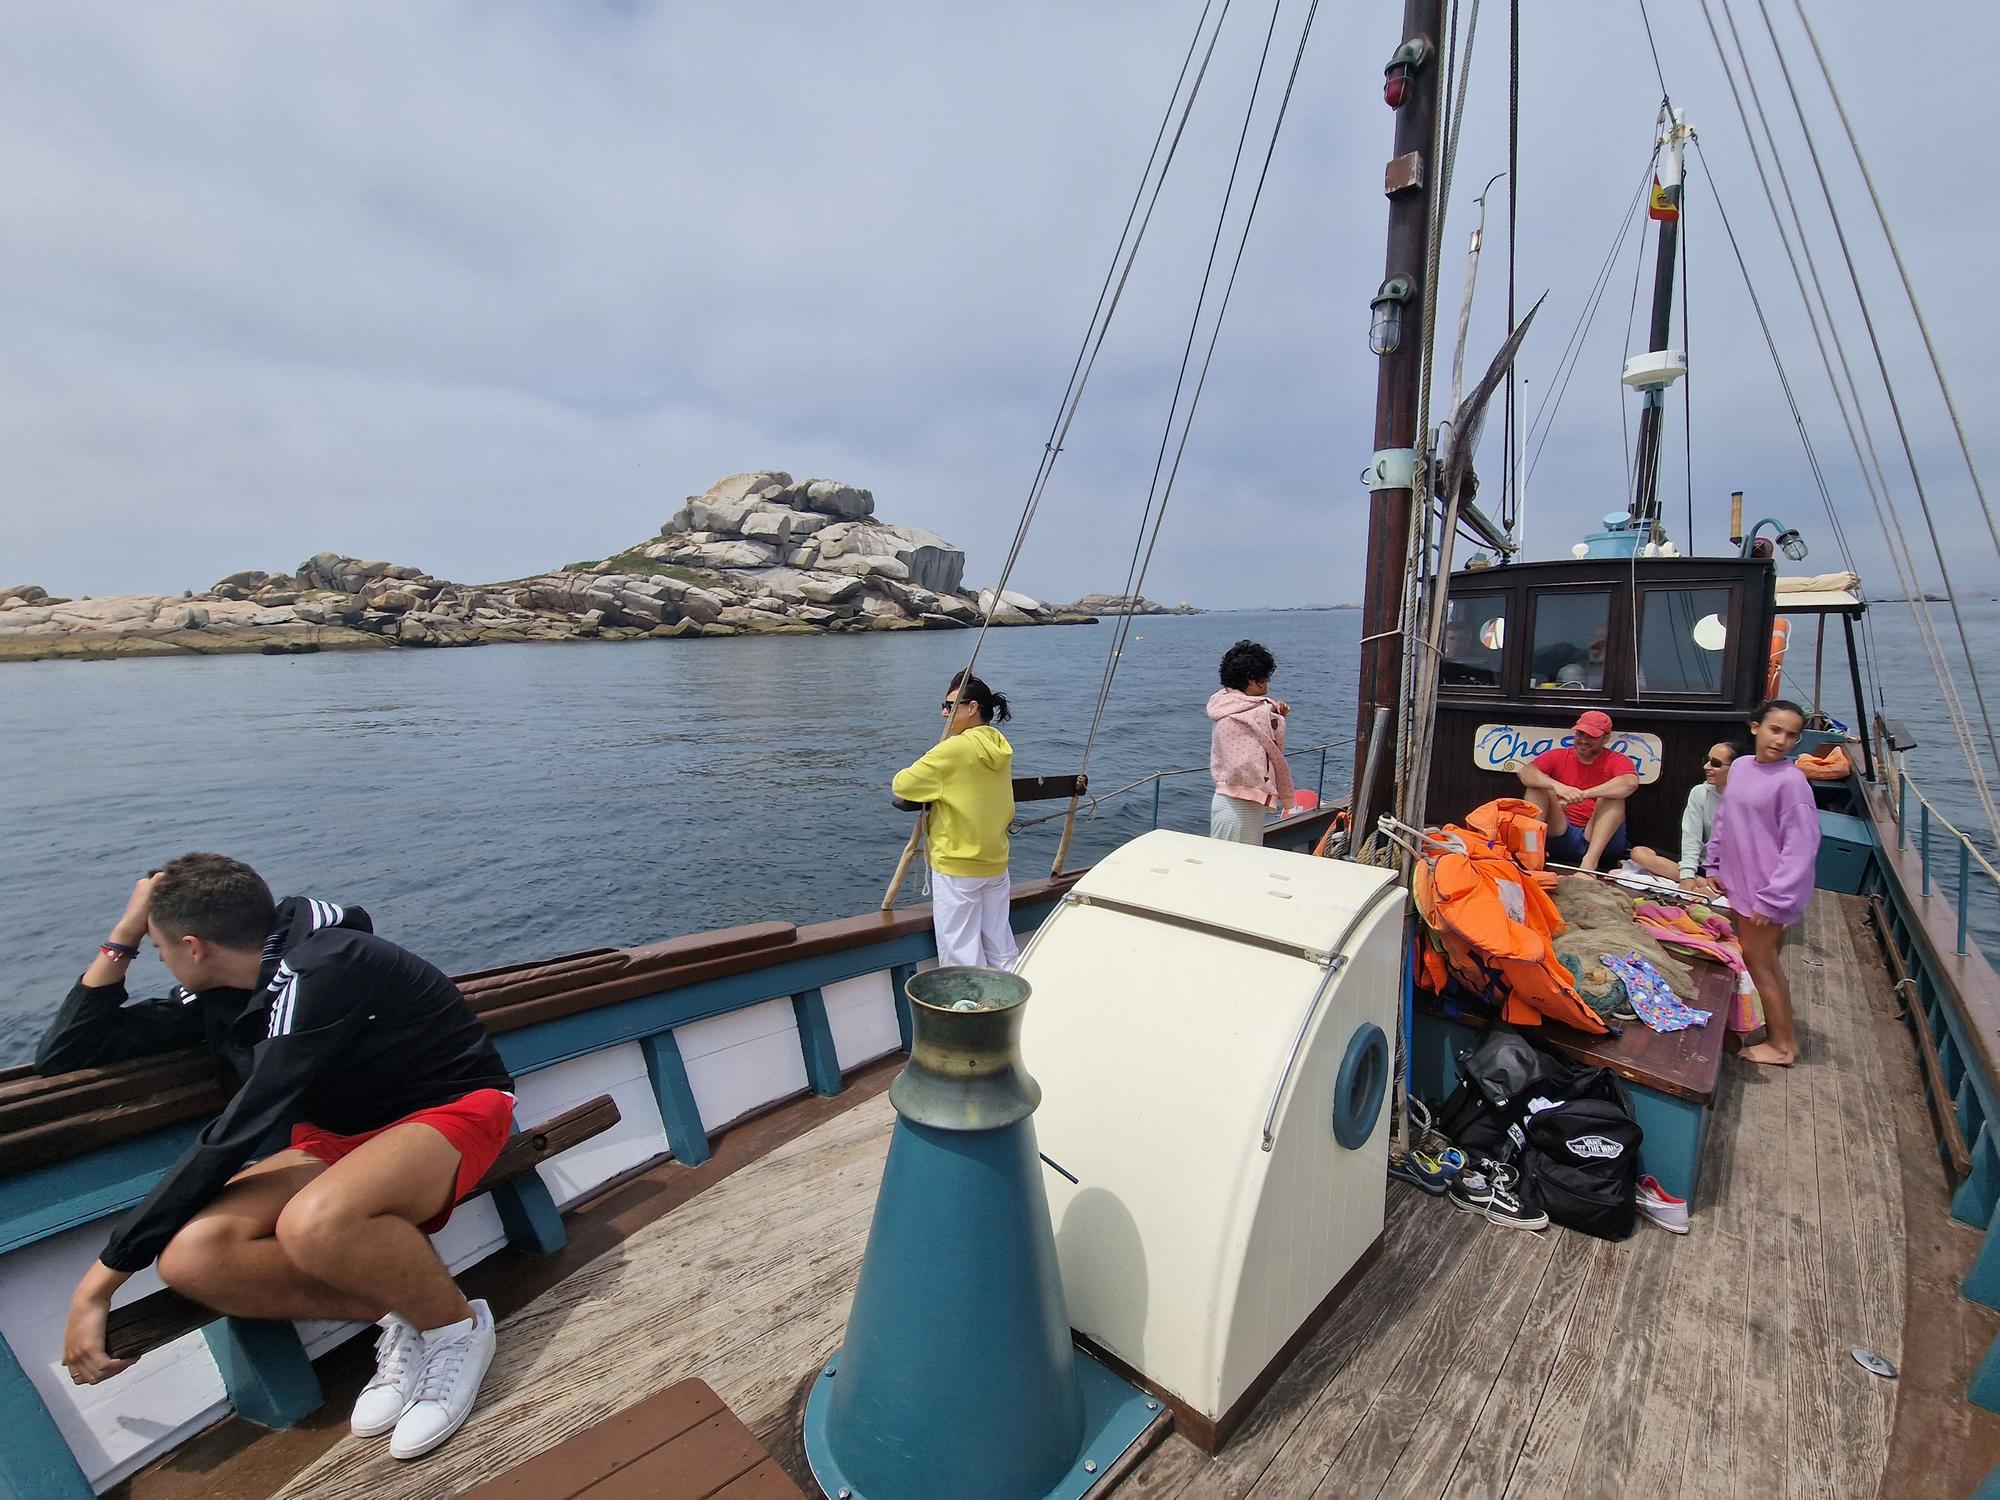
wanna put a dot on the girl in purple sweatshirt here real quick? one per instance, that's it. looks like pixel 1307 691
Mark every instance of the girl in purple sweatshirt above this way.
pixel 1762 853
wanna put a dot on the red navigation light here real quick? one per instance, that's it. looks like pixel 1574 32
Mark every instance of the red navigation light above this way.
pixel 1409 57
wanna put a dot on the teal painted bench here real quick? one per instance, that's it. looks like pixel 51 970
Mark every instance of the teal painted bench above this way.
pixel 1672 1077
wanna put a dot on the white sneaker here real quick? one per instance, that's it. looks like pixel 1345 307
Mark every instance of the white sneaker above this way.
pixel 399 1360
pixel 1661 1206
pixel 455 1358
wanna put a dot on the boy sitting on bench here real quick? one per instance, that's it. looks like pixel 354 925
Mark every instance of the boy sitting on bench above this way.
pixel 397 1103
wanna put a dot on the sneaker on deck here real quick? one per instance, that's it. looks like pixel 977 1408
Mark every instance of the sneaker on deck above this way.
pixel 399 1360
pixel 1661 1206
pixel 454 1362
pixel 1422 1170
pixel 1488 1187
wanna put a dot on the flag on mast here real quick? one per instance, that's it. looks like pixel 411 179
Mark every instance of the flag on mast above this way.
pixel 1661 206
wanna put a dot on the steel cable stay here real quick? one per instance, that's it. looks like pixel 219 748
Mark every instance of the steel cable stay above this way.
pixel 1133 575
pixel 1888 384
pixel 1419 576
pixel 1631 316
pixel 1909 289
pixel 1109 298
pixel 1158 514
pixel 1566 363
pixel 1890 523
pixel 1874 476
pixel 1813 319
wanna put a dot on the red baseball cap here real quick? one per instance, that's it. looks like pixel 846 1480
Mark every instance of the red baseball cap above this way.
pixel 1593 721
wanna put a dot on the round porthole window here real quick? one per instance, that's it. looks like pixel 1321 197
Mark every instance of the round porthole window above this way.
pixel 1360 1086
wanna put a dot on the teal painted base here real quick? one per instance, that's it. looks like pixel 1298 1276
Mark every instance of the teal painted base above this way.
pixel 1984 1387
pixel 1675 1129
pixel 34 1459
pixel 1982 1282
pixel 529 1215
pixel 1975 1200
pixel 1114 1417
pixel 1846 846
pixel 264 1369
pixel 675 1095
pixel 816 1041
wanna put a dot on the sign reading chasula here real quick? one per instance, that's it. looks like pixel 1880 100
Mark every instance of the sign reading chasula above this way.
pixel 1508 747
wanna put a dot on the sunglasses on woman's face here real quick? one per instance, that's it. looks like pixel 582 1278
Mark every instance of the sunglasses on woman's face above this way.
pixel 1713 764
pixel 950 707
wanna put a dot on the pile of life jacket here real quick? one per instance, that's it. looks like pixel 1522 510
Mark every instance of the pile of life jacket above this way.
pixel 1481 889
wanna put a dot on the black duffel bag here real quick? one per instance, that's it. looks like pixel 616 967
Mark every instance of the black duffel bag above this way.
pixel 1497 1077
pixel 1580 1159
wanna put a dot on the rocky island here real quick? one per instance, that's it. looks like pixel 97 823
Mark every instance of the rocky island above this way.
pixel 756 554
pixel 1127 604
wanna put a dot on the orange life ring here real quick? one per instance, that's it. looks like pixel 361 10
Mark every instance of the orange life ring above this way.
pixel 1781 635
pixel 1342 821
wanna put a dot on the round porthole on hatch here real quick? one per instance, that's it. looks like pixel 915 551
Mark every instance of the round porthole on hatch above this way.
pixel 1362 1082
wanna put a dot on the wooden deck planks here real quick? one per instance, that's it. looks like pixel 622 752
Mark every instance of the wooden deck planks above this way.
pixel 744 1287
pixel 1854 1191
pixel 1493 1446
pixel 1471 1360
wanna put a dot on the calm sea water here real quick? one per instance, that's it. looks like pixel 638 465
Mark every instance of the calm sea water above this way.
pixel 515 802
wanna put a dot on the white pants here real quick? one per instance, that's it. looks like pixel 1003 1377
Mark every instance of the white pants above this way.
pixel 1235 819
pixel 970 913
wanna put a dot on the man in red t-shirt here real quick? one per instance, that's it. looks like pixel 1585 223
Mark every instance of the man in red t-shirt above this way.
pixel 1581 789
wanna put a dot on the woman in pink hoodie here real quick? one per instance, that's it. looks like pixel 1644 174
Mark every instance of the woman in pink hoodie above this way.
pixel 1246 747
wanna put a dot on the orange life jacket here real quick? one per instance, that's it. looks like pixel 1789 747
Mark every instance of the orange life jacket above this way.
pixel 1496 923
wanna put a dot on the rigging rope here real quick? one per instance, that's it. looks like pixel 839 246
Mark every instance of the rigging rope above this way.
pixel 1631 313
pixel 1909 290
pixel 1215 333
pixel 1122 629
pixel 1573 350
pixel 1420 665
pixel 1108 298
pixel 1687 388
pixel 1879 502
pixel 1888 385
pixel 1510 496
pixel 1891 523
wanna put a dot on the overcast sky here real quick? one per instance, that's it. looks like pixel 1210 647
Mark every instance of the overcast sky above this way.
pixel 489 287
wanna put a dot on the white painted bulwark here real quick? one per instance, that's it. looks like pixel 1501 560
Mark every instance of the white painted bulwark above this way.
pixel 1187 1248
pixel 637 1137
pixel 742 1061
pixel 861 1013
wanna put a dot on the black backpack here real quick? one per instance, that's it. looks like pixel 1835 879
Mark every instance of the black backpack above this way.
pixel 1497 1077
pixel 1580 1160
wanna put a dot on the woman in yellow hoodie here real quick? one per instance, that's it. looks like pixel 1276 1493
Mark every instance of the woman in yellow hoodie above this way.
pixel 968 780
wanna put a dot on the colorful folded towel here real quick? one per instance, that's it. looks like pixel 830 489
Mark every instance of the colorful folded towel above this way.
pixel 1651 996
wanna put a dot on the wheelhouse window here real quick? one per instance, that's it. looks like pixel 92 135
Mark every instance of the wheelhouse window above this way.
pixel 1571 632
pixel 1684 640
pixel 1475 637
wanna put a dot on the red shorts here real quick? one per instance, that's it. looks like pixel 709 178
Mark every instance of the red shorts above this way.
pixel 478 1125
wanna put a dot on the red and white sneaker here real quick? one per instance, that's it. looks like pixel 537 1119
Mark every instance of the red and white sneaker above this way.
pixel 1661 1206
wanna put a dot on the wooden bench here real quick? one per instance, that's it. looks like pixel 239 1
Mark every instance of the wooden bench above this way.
pixel 1672 1076
pixel 682 1444
pixel 265 1367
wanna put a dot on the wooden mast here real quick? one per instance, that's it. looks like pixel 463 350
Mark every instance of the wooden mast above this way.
pixel 1411 86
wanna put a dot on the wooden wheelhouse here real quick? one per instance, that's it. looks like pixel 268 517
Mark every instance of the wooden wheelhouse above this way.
pixel 1677 650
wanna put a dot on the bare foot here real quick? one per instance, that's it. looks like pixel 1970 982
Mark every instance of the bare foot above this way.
pixel 1767 1053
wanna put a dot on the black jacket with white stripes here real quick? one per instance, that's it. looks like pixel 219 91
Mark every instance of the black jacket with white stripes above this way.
pixel 345 1030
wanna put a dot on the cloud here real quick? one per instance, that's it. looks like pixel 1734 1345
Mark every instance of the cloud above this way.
pixel 491 287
